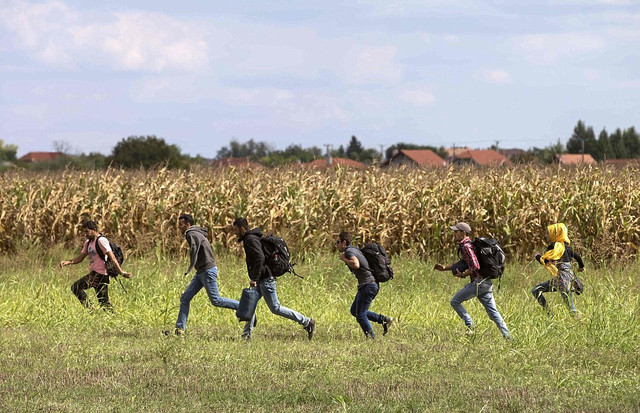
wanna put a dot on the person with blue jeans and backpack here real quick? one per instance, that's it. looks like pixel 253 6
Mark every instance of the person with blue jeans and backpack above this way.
pixel 202 259
pixel 262 280
pixel 479 286
pixel 368 287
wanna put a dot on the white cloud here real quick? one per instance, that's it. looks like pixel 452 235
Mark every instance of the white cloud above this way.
pixel 60 36
pixel 267 97
pixel 497 76
pixel 550 48
pixel 592 2
pixel 412 7
pixel 417 97
pixel 36 112
pixel 372 64
pixel 451 38
pixel 629 84
pixel 592 74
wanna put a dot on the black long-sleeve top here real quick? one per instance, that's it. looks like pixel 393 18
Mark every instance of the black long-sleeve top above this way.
pixel 569 253
pixel 255 258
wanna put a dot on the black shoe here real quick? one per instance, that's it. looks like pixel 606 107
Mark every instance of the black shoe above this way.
pixel 386 324
pixel 310 328
pixel 177 332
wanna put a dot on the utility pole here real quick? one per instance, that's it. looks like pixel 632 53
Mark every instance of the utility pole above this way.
pixel 328 146
pixel 381 153
pixel 582 139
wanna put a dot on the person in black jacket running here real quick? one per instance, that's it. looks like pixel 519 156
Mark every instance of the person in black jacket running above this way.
pixel 557 260
pixel 261 278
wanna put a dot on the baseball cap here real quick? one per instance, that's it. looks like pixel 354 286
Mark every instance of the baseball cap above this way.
pixel 461 226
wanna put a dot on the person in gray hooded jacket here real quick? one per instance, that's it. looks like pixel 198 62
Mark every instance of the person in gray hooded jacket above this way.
pixel 202 259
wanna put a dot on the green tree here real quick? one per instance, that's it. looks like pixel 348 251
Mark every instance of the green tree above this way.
pixel 7 152
pixel 631 142
pixel 254 150
pixel 617 144
pixel 293 154
pixel 354 149
pixel 548 153
pixel 604 143
pixel 582 133
pixel 147 152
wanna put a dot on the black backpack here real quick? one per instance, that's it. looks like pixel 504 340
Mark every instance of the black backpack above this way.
pixel 112 270
pixel 490 257
pixel 277 256
pixel 379 262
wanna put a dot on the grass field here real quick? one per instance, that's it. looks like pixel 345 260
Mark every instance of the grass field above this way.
pixel 57 356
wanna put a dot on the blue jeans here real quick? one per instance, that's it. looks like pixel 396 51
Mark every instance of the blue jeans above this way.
pixel 267 289
pixel 360 308
pixel 209 280
pixel 484 291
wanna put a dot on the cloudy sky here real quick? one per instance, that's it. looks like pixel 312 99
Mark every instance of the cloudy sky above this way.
pixel 200 73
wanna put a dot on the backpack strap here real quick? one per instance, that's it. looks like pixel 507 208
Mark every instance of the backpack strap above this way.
pixel 99 249
pixel 365 265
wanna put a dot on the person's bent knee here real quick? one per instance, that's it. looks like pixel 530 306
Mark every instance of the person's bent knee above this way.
pixel 361 317
pixel 275 308
pixel 217 302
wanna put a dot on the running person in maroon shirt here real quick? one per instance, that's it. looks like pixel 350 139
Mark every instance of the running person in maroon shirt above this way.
pixel 478 286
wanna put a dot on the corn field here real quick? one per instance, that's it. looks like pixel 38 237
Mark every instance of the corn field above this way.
pixel 407 210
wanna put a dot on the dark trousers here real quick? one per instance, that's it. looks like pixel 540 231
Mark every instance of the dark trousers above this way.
pixel 552 286
pixel 98 282
pixel 360 308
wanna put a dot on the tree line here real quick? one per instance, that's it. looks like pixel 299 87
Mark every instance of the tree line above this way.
pixel 151 151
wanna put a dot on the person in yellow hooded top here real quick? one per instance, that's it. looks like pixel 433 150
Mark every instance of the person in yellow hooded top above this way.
pixel 557 260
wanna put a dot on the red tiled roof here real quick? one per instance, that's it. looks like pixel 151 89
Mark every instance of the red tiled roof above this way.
pixel 483 157
pixel 575 159
pixel 344 162
pixel 422 157
pixel 41 156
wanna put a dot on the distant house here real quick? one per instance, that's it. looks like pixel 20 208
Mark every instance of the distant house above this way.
pixel 455 151
pixel 510 153
pixel 479 157
pixel 41 156
pixel 575 159
pixel 334 162
pixel 243 162
pixel 416 157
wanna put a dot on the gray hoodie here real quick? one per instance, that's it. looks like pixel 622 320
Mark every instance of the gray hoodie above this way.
pixel 201 253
